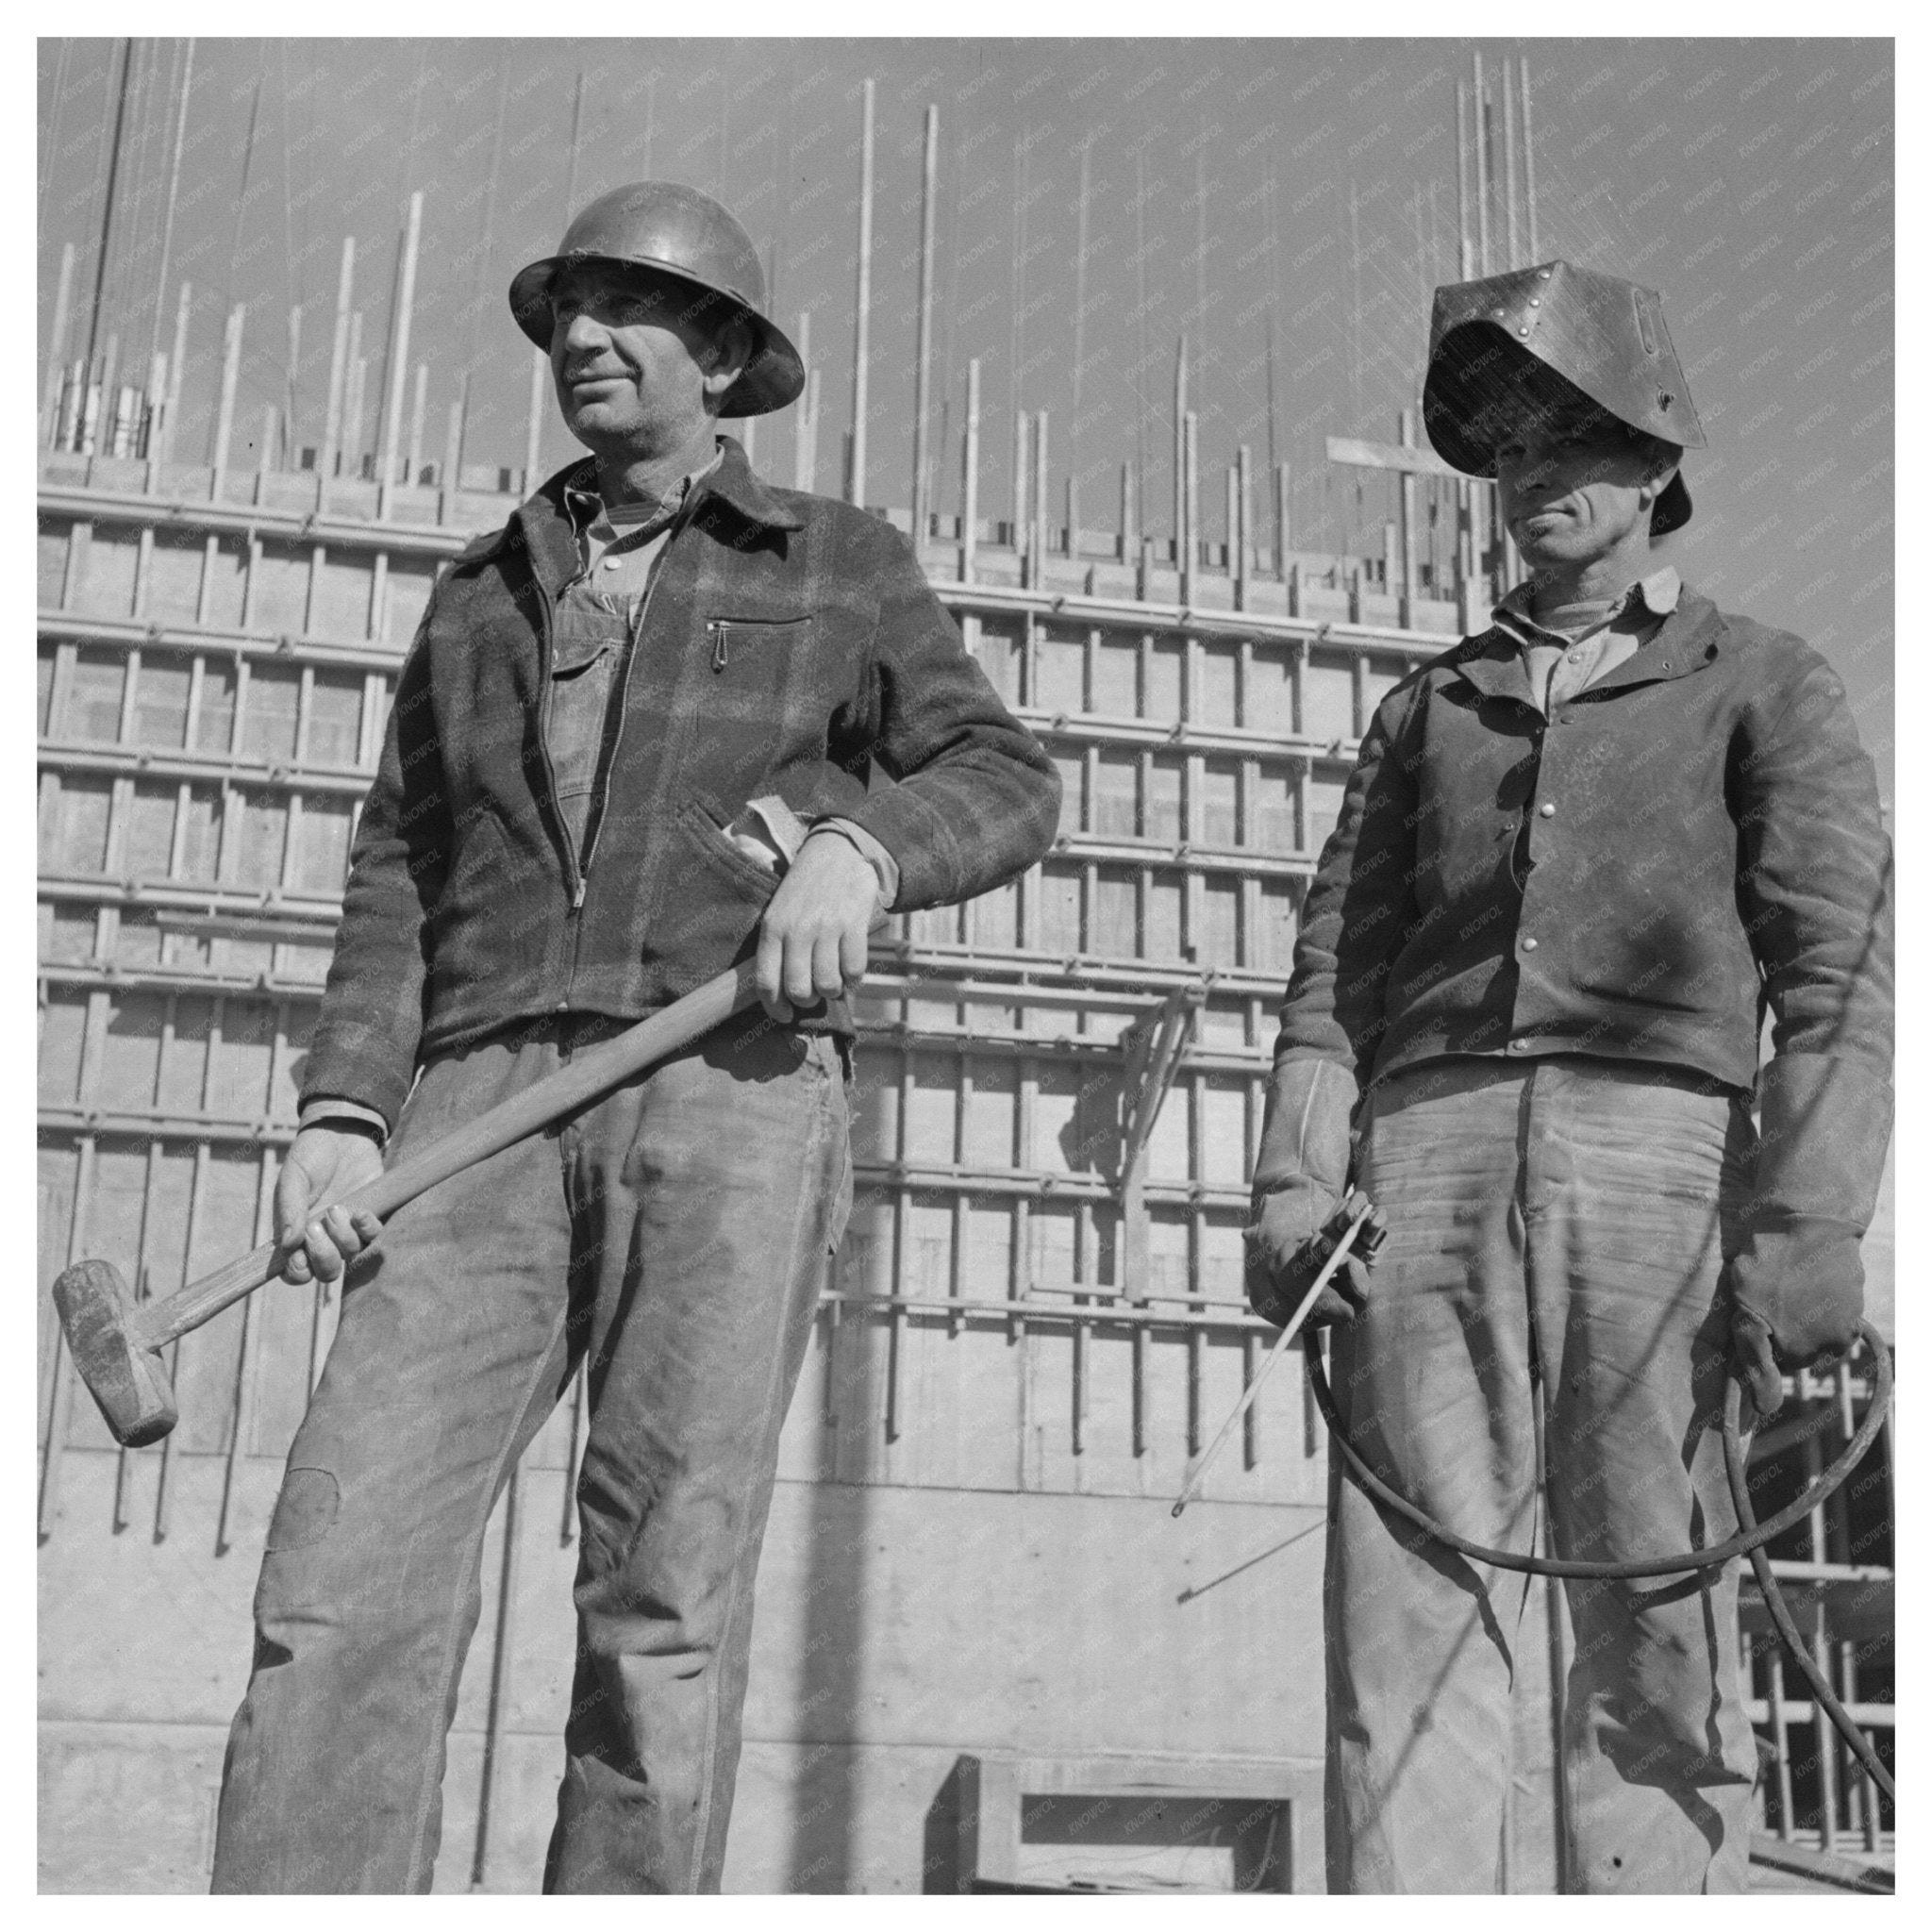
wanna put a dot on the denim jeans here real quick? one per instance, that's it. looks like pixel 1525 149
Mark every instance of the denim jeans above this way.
pixel 1556 1236
pixel 677 1230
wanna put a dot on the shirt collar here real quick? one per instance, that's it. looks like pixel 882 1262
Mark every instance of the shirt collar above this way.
pixel 1656 593
pixel 585 502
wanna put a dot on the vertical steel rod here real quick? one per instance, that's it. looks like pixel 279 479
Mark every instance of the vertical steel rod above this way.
pixel 1465 258
pixel 399 358
pixel 453 445
pixel 1180 451
pixel 922 381
pixel 173 196
pixel 338 361
pixel 1528 157
pixel 412 464
pixel 56 343
pixel 289 425
pixel 176 361
pixel 1479 99
pixel 224 416
pixel 1515 259
pixel 800 421
pixel 1405 433
pixel 1042 537
pixel 1079 355
pixel 1190 505
pixel 1021 522
pixel 94 327
pixel 861 333
pixel 969 523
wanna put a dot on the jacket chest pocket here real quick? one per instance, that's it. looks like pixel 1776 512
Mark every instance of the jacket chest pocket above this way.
pixel 745 639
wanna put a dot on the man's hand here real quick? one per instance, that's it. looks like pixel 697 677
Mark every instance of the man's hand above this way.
pixel 813 939
pixel 1294 1232
pixel 1797 1293
pixel 326 1163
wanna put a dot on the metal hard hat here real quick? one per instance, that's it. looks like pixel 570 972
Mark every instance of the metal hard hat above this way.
pixel 674 231
pixel 1603 335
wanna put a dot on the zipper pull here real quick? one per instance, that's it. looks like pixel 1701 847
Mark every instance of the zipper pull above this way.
pixel 719 635
pixel 576 902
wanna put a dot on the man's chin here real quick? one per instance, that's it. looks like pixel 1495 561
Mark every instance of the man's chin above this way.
pixel 1550 546
pixel 601 429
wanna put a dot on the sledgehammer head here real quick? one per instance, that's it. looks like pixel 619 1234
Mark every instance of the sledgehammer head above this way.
pixel 128 1380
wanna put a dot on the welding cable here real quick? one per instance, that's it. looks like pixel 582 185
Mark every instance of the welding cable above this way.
pixel 1781 1619
pixel 1749 1541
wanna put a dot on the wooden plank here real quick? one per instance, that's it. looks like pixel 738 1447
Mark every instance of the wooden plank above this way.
pixel 1414 461
pixel 1825 1868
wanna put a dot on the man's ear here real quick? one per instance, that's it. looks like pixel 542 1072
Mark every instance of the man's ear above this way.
pixel 1657 473
pixel 729 358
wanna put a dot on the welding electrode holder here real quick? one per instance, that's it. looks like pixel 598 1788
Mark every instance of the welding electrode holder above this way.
pixel 1316 1252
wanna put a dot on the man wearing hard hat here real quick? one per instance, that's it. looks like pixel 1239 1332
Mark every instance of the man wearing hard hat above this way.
pixel 1582 856
pixel 629 744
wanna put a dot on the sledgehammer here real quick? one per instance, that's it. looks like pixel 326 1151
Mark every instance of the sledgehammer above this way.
pixel 117 1342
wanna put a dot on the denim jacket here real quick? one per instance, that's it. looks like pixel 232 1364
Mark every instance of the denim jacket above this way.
pixel 791 646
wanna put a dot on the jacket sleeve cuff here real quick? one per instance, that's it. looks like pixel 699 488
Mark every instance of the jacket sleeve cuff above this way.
pixel 326 1109
pixel 872 851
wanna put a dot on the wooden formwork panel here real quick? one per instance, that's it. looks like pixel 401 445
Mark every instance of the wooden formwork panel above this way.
pixel 230 580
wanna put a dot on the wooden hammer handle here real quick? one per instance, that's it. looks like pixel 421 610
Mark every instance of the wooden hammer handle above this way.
pixel 588 1074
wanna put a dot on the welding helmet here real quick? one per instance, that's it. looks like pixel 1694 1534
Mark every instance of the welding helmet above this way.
pixel 1602 335
pixel 673 230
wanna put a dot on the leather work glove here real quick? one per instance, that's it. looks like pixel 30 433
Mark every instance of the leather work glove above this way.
pixel 1797 1282
pixel 1301 1176
pixel 1282 1268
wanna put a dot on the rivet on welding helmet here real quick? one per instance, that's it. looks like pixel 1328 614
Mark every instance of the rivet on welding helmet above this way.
pixel 1643 326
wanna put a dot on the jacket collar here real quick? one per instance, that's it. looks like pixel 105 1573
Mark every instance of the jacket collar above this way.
pixel 733 480
pixel 1656 594
pixel 542 523
pixel 1493 660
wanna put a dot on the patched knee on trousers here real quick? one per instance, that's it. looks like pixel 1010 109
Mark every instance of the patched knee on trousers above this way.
pixel 306 1509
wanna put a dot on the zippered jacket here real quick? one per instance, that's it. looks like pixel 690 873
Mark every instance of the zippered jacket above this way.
pixel 788 643
pixel 1626 879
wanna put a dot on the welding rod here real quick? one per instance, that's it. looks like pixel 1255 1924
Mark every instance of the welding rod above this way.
pixel 1193 1486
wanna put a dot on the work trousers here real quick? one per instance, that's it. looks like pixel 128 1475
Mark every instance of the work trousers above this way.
pixel 1556 1235
pixel 678 1232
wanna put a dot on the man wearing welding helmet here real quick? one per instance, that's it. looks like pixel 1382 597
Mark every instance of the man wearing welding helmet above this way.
pixel 1582 856
pixel 632 742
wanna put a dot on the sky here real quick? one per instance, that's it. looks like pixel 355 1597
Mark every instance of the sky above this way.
pixel 1312 182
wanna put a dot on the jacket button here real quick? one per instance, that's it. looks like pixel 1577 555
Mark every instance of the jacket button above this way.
pixel 1546 811
pixel 1529 945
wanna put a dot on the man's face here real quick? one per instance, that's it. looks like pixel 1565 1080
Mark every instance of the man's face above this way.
pixel 1570 484
pixel 636 357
